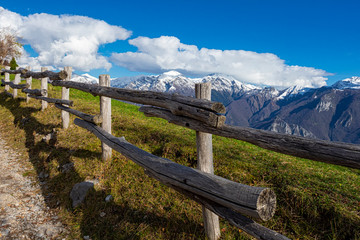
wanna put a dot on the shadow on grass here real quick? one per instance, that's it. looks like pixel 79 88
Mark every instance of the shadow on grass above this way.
pixel 119 221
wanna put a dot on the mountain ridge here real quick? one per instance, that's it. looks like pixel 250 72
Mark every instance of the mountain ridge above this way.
pixel 327 113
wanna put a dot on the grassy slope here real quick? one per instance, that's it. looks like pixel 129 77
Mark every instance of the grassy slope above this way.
pixel 315 200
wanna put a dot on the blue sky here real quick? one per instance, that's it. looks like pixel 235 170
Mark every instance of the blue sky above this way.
pixel 277 43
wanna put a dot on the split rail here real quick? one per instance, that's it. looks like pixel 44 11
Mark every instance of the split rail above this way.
pixel 219 196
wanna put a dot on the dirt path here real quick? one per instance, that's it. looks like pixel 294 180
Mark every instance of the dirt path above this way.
pixel 23 212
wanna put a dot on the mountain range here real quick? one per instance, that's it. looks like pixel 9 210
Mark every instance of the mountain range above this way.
pixel 328 113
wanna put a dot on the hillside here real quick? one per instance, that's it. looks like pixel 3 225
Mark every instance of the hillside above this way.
pixel 315 200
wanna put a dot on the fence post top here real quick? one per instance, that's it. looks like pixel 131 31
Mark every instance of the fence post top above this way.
pixel 104 80
pixel 104 76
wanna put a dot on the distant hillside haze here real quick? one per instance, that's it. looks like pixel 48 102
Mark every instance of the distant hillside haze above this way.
pixel 328 113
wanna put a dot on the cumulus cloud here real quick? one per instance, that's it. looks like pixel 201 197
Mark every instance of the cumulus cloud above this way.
pixel 64 40
pixel 168 53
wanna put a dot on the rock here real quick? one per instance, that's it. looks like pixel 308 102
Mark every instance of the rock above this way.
pixel 109 198
pixel 79 191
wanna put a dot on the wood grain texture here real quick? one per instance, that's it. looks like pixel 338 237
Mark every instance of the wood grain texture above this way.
pixel 35 92
pixel 53 100
pixel 65 95
pixel 337 153
pixel 238 197
pixel 26 73
pixel 44 86
pixel 7 78
pixel 205 164
pixel 16 83
pixel 200 109
pixel 29 83
pixel 105 112
pixel 96 119
pixel 14 86
pixel 234 218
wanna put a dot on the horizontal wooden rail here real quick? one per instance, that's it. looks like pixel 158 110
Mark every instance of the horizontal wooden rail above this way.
pixel 256 202
pixel 325 151
pixel 35 92
pixel 53 100
pixel 200 109
pixel 247 225
pixel 97 119
pixel 15 86
pixel 26 73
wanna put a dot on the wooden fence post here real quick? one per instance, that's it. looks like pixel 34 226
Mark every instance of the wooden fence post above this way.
pixel 205 163
pixel 29 82
pixel 7 79
pixel 44 85
pixel 65 95
pixel 16 81
pixel 105 112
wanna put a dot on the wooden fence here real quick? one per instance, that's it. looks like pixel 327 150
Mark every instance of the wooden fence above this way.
pixel 225 198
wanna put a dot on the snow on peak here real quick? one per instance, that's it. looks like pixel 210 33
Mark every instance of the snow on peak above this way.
pixel 222 82
pixel 292 91
pixel 84 78
pixel 353 83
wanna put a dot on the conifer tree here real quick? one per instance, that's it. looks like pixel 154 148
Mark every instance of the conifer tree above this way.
pixel 13 64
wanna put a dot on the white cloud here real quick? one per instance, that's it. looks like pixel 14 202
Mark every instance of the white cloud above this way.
pixel 168 53
pixel 64 40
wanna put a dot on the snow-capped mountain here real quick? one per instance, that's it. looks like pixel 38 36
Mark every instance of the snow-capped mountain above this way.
pixel 224 88
pixel 329 113
pixel 348 83
pixel 84 78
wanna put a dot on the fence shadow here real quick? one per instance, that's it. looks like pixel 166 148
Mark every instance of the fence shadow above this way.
pixel 56 188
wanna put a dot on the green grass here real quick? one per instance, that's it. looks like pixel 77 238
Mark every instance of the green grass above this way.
pixel 315 200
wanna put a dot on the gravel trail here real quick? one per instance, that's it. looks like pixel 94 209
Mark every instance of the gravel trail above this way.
pixel 23 212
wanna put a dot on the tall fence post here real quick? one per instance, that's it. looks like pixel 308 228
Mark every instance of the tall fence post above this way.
pixel 205 163
pixel 7 79
pixel 29 82
pixel 65 95
pixel 105 112
pixel 16 81
pixel 44 85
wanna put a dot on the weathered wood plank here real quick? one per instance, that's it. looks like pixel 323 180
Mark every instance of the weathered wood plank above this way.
pixel 44 86
pixel 65 95
pixel 200 109
pixel 257 202
pixel 7 79
pixel 246 224
pixel 16 82
pixel 105 112
pixel 96 119
pixel 337 153
pixel 53 100
pixel 236 219
pixel 15 86
pixel 36 92
pixel 205 164
pixel 26 73
pixel 29 82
